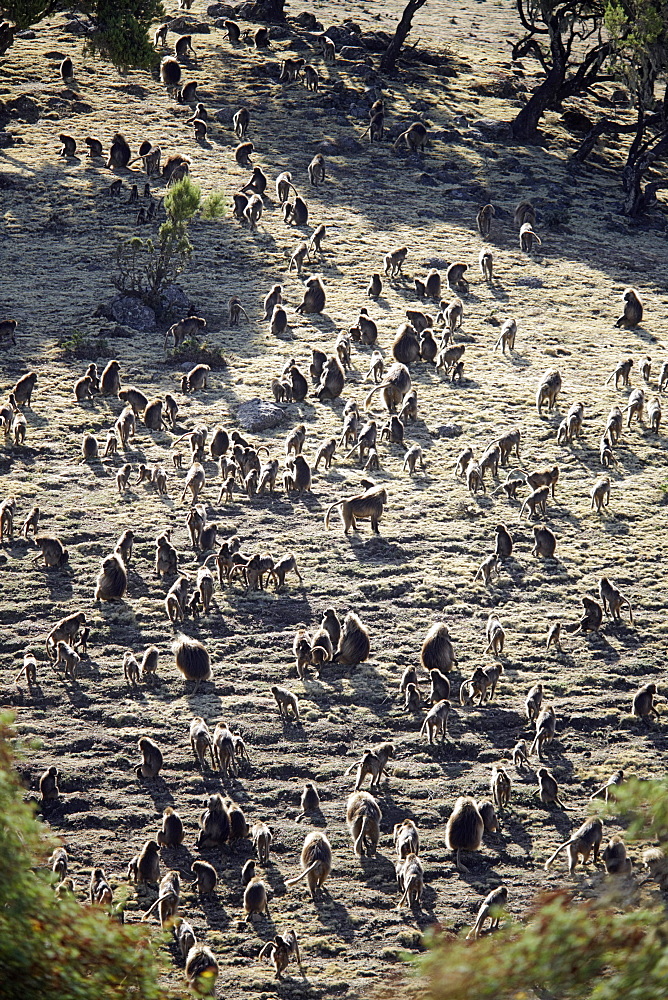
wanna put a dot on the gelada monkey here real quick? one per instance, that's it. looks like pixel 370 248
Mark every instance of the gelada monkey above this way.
pixel 614 857
pixel 436 720
pixel 373 763
pixel 171 834
pixel 410 876
pixel 191 660
pixel 490 907
pixel 406 839
pixel 261 837
pixel 364 506
pixel 363 818
pixel 316 862
pixel 255 899
pixel 354 644
pixel 201 968
pixel 437 650
pixel 464 829
pixel 614 781
pixel 280 951
pixel 585 840
pixel 167 903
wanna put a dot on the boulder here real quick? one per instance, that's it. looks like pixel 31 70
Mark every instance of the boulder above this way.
pixel 130 311
pixel 448 431
pixel 258 415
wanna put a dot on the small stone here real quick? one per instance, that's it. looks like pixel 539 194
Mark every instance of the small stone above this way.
pixel 448 431
pixel 529 282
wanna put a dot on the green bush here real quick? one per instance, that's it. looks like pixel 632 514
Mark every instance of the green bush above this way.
pixel 120 27
pixel 81 345
pixel 600 949
pixel 146 268
pixel 53 948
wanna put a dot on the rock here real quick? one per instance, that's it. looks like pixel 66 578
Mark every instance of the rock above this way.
pixel 352 52
pixel 6 140
pixel 174 304
pixel 308 20
pixel 188 26
pixel 130 311
pixel 472 193
pixel 529 282
pixel 342 36
pixel 491 128
pixel 134 90
pixel 448 431
pixel 28 33
pixel 258 415
pixel 427 180
pixel 577 121
pixel 349 145
pixel 25 109
pixel 376 41
pixel 78 28
pixel 220 10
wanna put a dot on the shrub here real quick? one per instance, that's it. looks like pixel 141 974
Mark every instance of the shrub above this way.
pixel 53 948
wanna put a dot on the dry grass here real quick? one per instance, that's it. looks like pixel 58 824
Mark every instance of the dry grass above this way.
pixel 59 234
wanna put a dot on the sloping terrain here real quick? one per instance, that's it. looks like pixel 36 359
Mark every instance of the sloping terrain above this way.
pixel 58 238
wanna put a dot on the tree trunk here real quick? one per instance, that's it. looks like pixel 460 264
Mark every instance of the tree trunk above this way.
pixel 525 125
pixel 636 200
pixel 591 138
pixel 391 54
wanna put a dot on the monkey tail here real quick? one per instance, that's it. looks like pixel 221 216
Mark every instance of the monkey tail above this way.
pixel 168 895
pixel 297 878
pixel 359 843
pixel 562 847
pixel 328 514
pixel 381 385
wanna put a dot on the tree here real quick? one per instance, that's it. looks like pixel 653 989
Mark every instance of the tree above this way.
pixel 145 267
pixel 639 34
pixel 391 54
pixel 555 33
pixel 599 949
pixel 52 948
pixel 120 27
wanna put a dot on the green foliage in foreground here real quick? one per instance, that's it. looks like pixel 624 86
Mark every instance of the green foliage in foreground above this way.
pixel 571 951
pixel 53 948
pixel 600 949
pixel 120 26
